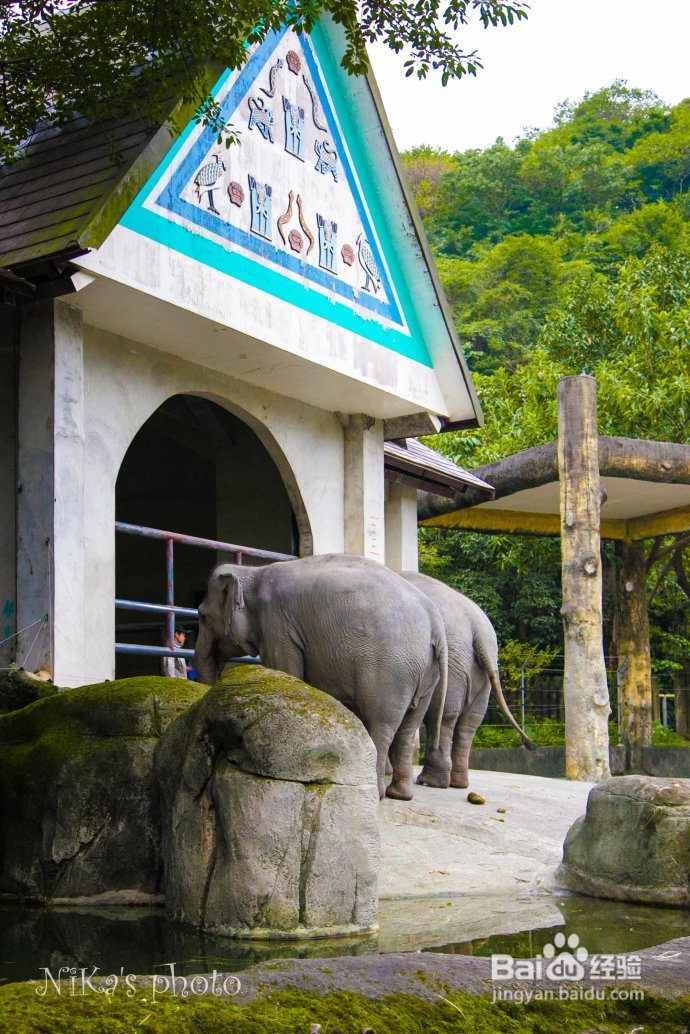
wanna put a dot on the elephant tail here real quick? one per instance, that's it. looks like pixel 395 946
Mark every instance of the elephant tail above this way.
pixel 496 686
pixel 438 700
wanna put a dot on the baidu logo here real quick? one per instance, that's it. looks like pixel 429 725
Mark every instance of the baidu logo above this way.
pixel 568 964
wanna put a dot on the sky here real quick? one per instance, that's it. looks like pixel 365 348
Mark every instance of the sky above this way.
pixel 565 48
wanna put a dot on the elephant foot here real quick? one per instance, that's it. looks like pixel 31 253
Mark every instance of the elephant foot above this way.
pixel 400 791
pixel 432 777
pixel 459 780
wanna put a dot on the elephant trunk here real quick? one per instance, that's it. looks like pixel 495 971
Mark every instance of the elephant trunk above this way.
pixel 496 686
pixel 205 662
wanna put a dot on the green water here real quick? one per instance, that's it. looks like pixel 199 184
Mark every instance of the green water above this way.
pixel 133 940
pixel 604 927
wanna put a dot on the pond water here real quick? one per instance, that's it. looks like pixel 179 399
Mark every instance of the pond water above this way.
pixel 134 940
pixel 603 927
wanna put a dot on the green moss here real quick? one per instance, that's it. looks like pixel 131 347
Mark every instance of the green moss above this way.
pixel 124 707
pixel 291 1012
pixel 19 689
pixel 252 683
pixel 38 741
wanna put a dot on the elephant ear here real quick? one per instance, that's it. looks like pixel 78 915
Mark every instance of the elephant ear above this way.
pixel 233 597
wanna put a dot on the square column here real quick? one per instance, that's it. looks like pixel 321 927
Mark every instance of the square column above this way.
pixel 402 552
pixel 8 483
pixel 50 494
pixel 364 498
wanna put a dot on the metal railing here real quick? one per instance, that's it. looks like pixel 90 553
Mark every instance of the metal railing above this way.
pixel 169 609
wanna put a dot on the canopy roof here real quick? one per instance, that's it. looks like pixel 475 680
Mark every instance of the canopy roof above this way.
pixel 646 486
pixel 411 463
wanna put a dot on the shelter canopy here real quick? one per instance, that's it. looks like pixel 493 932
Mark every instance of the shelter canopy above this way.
pixel 646 486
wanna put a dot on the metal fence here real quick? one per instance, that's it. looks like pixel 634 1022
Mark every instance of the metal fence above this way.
pixel 169 610
pixel 538 694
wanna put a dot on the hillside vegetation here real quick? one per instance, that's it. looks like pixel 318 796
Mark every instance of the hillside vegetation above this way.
pixel 568 251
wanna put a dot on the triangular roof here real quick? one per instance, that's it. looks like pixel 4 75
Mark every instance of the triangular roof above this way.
pixel 361 260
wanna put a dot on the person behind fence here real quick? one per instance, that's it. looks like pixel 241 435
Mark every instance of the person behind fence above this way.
pixel 176 667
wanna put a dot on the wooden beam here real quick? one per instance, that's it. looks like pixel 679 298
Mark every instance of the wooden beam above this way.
pixel 489 520
pixel 667 522
pixel 519 522
pixel 525 522
pixel 666 463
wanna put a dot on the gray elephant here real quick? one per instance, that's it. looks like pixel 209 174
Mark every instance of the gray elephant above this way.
pixel 347 626
pixel 472 673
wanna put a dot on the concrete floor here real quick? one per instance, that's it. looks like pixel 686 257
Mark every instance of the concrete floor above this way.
pixel 453 871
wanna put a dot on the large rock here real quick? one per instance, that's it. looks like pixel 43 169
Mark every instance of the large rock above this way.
pixel 269 806
pixel 79 814
pixel 634 842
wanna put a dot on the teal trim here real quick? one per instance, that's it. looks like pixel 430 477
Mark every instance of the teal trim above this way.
pixel 215 256
pixel 363 162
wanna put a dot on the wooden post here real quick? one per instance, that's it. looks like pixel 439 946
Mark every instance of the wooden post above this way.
pixel 681 685
pixel 585 689
pixel 634 668
pixel 656 703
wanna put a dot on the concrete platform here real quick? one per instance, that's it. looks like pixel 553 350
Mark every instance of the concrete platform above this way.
pixel 452 871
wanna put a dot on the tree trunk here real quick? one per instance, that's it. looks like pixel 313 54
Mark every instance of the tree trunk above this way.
pixel 681 685
pixel 634 669
pixel 585 689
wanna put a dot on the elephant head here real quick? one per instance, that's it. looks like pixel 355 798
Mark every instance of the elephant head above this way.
pixel 226 627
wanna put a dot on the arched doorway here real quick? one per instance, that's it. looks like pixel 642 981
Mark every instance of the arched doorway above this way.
pixel 197 469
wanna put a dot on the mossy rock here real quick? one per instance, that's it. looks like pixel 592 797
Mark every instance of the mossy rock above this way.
pixel 18 689
pixel 79 812
pixel 633 844
pixel 269 803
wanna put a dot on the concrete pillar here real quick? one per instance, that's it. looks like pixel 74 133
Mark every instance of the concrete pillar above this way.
pixel 50 509
pixel 9 322
pixel 364 502
pixel 402 553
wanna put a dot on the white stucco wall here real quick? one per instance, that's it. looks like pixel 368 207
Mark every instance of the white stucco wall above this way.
pixel 123 384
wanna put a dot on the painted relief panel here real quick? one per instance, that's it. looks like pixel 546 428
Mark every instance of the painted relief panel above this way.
pixel 287 198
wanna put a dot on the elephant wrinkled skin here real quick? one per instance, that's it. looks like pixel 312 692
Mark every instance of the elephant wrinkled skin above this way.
pixel 346 625
pixel 472 673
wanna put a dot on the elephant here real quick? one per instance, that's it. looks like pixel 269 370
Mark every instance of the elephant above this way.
pixel 347 626
pixel 472 673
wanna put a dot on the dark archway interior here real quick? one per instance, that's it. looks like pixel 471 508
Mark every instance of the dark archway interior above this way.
pixel 197 469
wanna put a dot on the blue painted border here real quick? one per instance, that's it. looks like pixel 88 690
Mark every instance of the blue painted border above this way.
pixel 213 254
pixel 170 197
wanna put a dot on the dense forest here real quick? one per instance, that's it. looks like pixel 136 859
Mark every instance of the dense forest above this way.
pixel 567 251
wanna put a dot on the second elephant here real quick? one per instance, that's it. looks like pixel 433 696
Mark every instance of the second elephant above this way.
pixel 472 674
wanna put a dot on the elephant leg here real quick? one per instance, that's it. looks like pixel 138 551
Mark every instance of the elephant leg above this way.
pixel 437 763
pixel 467 724
pixel 402 747
pixel 284 657
pixel 382 735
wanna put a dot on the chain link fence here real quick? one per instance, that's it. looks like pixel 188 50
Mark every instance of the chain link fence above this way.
pixel 538 695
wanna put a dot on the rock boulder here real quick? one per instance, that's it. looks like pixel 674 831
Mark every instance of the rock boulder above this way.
pixel 79 816
pixel 633 844
pixel 269 807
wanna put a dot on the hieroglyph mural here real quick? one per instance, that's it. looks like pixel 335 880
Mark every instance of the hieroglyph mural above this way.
pixel 288 196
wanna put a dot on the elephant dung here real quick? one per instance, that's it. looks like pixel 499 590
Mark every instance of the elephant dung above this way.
pixel 270 811
pixel 78 803
pixel 633 844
